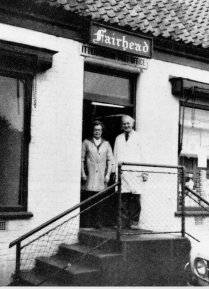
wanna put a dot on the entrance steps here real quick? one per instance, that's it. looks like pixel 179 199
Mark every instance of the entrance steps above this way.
pixel 98 259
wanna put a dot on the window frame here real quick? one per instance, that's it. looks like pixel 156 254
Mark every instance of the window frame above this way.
pixel 189 209
pixel 23 191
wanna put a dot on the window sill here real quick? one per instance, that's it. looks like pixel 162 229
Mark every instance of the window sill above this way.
pixel 192 213
pixel 15 215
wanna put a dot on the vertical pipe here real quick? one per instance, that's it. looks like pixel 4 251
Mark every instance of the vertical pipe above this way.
pixel 119 203
pixel 183 204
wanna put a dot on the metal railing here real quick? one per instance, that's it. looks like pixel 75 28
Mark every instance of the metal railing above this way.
pixel 198 207
pixel 159 196
pixel 44 240
pixel 159 189
pixel 201 202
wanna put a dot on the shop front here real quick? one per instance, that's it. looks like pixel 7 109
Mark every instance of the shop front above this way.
pixel 58 73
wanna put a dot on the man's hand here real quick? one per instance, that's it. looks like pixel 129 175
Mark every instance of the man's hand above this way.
pixel 107 179
pixel 84 178
pixel 144 177
pixel 114 177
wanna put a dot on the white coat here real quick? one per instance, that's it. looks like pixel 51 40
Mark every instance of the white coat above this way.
pixel 129 151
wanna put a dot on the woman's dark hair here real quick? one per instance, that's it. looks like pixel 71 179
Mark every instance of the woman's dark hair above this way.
pixel 97 122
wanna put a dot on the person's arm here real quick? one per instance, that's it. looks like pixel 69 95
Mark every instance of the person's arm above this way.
pixel 115 153
pixel 83 158
pixel 110 159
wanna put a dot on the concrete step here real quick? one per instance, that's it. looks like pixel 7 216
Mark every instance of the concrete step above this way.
pixel 75 274
pixel 77 253
pixel 109 263
pixel 137 260
pixel 36 278
pixel 103 240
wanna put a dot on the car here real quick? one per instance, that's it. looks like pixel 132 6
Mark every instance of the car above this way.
pixel 197 269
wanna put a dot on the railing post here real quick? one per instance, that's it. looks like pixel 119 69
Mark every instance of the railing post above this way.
pixel 183 203
pixel 119 203
pixel 17 269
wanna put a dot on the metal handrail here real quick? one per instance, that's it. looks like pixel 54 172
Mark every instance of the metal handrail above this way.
pixel 196 195
pixel 151 165
pixel 54 219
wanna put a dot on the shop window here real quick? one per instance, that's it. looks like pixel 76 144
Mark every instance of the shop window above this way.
pixel 194 151
pixel 18 66
pixel 13 156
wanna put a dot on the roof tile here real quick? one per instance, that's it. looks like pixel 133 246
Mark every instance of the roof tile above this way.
pixel 133 13
pixel 114 20
pixel 96 15
pixel 62 2
pixel 101 11
pixel 185 20
pixel 111 13
pixel 113 2
pixel 133 2
pixel 99 4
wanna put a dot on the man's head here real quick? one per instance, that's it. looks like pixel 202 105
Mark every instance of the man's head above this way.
pixel 98 128
pixel 127 123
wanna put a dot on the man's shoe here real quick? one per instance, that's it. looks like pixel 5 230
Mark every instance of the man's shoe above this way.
pixel 122 227
pixel 134 227
pixel 88 228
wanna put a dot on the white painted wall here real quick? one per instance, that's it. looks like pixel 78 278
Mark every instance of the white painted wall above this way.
pixel 157 121
pixel 54 151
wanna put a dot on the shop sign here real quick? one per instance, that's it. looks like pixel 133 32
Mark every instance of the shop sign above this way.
pixel 117 39
pixel 142 62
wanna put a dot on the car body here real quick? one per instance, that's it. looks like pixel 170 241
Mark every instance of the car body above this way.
pixel 197 270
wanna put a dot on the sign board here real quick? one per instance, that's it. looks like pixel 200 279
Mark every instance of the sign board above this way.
pixel 119 40
pixel 142 63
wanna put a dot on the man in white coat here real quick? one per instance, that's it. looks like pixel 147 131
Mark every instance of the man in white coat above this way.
pixel 127 148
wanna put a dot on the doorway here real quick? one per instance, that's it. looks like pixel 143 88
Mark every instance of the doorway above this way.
pixel 110 116
pixel 108 94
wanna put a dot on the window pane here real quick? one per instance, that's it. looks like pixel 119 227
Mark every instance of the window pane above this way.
pixel 11 132
pixel 106 85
